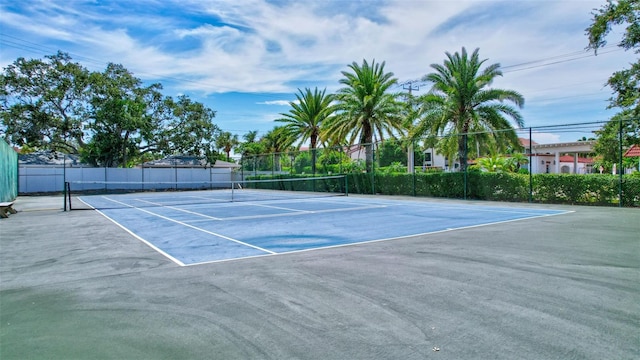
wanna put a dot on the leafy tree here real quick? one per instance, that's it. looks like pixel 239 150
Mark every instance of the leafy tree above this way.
pixel 130 120
pixel 227 142
pixel 608 138
pixel 119 114
pixel 109 118
pixel 332 159
pixel 305 118
pixel 392 150
pixel 45 103
pixel 364 107
pixel 189 130
pixel 625 83
pixel 302 162
pixel 461 101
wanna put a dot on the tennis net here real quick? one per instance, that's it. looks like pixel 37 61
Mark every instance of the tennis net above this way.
pixel 114 194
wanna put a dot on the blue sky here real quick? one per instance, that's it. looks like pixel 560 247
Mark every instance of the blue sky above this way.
pixel 246 59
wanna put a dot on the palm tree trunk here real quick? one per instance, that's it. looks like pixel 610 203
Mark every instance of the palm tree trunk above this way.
pixel 462 146
pixel 314 140
pixel 276 162
pixel 368 155
pixel 368 148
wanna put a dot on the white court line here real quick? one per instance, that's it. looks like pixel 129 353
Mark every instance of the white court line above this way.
pixel 162 252
pixel 483 208
pixel 277 207
pixel 381 240
pixel 297 213
pixel 193 227
pixel 179 209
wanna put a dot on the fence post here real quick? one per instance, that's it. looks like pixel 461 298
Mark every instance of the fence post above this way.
pixel 413 168
pixel 620 169
pixel 346 185
pixel 466 165
pixel 530 168
pixel 64 169
pixel 373 169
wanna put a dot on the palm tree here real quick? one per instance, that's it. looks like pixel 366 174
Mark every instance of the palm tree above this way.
pixel 250 148
pixel 366 107
pixel 227 142
pixel 460 101
pixel 305 118
pixel 494 163
pixel 276 141
pixel 518 159
pixel 250 145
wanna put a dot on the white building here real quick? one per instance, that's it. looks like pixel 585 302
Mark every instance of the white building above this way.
pixel 557 158
pixel 560 158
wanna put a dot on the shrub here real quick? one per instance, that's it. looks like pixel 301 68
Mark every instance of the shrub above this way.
pixel 547 188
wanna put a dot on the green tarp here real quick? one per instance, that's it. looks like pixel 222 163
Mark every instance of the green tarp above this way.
pixel 8 172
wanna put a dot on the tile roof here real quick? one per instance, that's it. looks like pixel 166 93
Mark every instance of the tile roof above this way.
pixel 525 142
pixel 634 150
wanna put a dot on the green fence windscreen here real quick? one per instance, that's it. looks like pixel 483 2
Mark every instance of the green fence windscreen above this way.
pixel 8 172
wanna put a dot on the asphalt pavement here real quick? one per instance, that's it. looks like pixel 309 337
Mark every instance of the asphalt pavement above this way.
pixel 73 285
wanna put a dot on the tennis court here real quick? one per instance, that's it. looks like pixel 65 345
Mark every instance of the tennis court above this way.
pixel 196 227
pixel 516 283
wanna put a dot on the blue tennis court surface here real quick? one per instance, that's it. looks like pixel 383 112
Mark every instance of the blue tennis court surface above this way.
pixel 210 232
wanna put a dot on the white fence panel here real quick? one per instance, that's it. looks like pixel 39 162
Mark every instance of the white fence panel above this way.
pixel 220 177
pixel 40 179
pixel 86 175
pixel 190 178
pixel 163 178
pixel 48 179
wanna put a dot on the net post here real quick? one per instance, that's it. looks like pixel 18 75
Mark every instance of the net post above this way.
pixel 232 189
pixel 64 194
pixel 67 196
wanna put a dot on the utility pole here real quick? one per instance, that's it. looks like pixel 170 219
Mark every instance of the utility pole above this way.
pixel 409 85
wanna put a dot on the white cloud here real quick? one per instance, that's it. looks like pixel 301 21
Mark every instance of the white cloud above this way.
pixel 275 102
pixel 256 46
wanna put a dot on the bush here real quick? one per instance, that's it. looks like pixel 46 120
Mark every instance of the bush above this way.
pixel 547 188
pixel 500 186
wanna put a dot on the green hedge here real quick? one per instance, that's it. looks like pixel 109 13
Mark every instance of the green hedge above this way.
pixel 547 188
pixel 499 186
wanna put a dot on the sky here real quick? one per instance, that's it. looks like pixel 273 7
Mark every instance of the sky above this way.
pixel 246 59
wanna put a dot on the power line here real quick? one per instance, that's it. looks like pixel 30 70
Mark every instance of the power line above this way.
pixel 572 54
pixel 576 55
pixel 558 62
